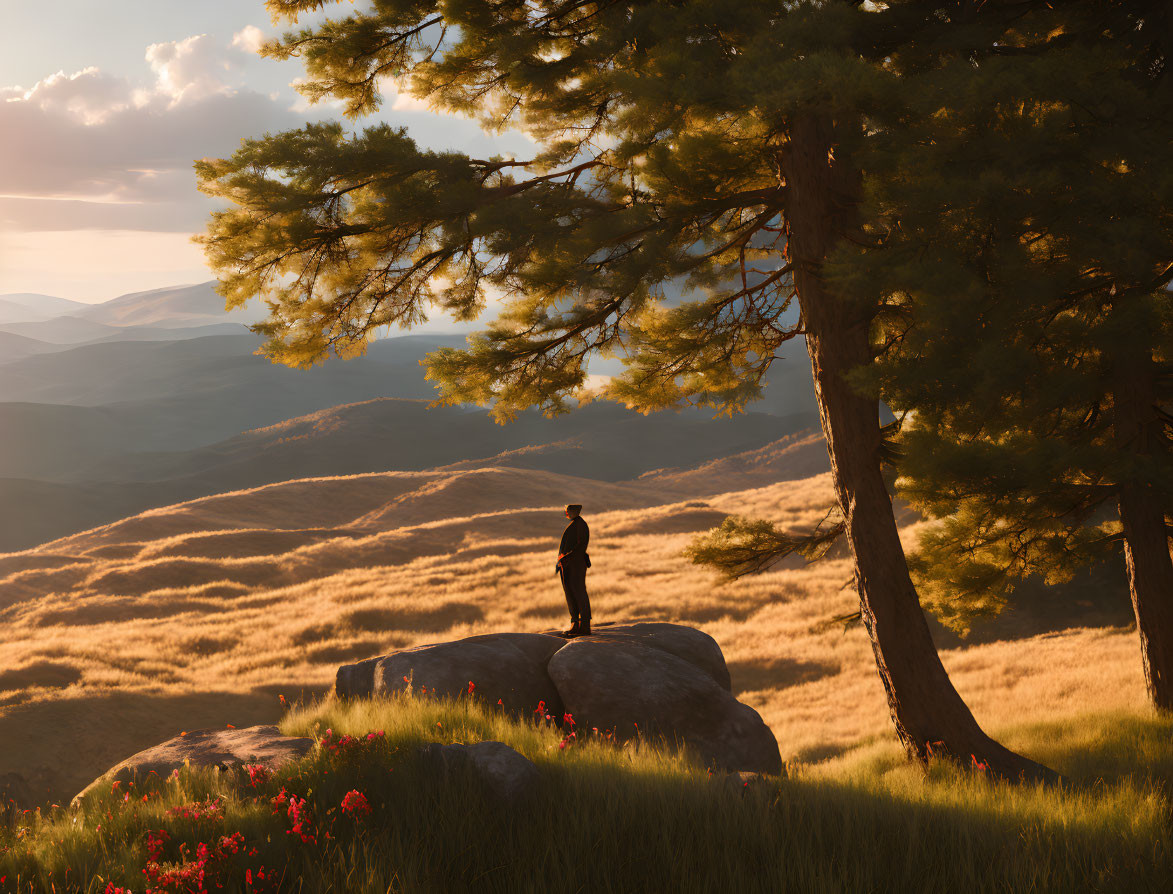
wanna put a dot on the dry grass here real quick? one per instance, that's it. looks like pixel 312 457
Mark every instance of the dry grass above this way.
pixel 202 614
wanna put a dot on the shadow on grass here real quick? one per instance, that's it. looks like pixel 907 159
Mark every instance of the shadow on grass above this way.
pixel 777 673
pixel 1108 748
pixel 60 745
pixel 609 820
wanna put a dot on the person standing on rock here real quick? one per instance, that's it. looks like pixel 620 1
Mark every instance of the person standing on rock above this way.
pixel 572 566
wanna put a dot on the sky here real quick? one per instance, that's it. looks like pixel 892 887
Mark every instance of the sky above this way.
pixel 104 104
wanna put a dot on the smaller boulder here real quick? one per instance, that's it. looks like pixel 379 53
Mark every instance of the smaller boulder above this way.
pixel 511 776
pixel 206 748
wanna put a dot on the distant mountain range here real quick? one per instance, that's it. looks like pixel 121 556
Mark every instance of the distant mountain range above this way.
pixel 107 410
pixel 175 307
pixel 25 307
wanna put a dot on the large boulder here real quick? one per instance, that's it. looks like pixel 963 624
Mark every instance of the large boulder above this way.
pixel 669 679
pixel 621 685
pixel 692 645
pixel 511 776
pixel 510 667
pixel 206 748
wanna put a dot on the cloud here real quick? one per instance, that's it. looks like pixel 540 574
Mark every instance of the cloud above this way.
pixel 192 68
pixel 249 39
pixel 97 151
pixel 90 150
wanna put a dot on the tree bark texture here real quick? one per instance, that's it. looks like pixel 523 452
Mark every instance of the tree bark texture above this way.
pixel 930 716
pixel 1142 515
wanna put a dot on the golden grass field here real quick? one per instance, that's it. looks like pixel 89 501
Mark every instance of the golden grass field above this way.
pixel 204 613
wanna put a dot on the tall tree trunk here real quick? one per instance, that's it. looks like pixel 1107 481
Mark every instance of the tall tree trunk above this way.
pixel 1142 514
pixel 928 713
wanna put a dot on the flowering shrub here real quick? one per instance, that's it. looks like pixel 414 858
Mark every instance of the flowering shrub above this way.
pixel 211 810
pixel 207 869
pixel 355 804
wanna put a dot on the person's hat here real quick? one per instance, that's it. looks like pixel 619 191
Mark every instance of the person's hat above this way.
pixel 574 507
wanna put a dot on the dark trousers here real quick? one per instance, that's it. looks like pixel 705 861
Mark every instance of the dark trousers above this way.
pixel 573 576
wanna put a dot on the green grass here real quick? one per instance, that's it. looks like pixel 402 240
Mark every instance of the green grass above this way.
pixel 621 819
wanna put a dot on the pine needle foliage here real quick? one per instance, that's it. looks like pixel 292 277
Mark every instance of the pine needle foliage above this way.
pixel 648 223
pixel 1028 281
pixel 741 546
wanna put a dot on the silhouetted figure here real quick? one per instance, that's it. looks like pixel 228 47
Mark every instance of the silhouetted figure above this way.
pixel 572 565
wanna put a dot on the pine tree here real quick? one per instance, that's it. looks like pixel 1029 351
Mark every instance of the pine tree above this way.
pixel 1036 360
pixel 718 147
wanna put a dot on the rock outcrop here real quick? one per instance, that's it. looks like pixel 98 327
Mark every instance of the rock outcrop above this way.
pixel 206 748
pixel 687 643
pixel 634 690
pixel 665 681
pixel 506 666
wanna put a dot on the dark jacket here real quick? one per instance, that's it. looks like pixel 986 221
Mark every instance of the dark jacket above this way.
pixel 574 543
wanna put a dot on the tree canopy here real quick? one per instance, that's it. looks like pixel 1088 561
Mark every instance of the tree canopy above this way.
pixel 701 171
pixel 1033 350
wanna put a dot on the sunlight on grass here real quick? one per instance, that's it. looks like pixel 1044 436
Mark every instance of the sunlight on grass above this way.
pixel 216 607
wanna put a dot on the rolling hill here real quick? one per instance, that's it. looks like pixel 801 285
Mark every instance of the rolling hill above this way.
pixel 203 613
pixel 17 347
pixel 110 479
pixel 62 330
pixel 155 405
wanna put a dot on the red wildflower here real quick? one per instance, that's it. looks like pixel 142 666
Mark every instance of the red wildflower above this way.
pixel 155 844
pixel 566 718
pixel 257 774
pixel 355 803
pixel 299 816
pixel 280 801
pixel 471 686
pixel 541 709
